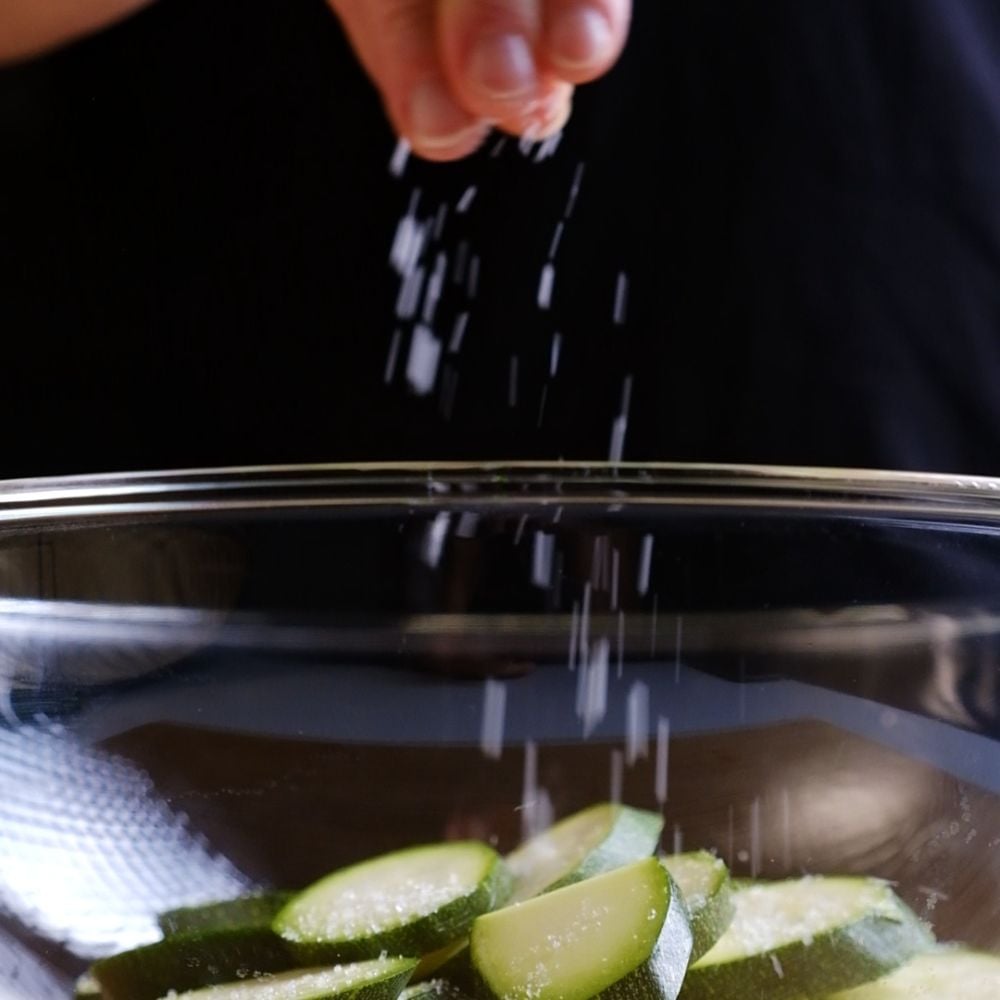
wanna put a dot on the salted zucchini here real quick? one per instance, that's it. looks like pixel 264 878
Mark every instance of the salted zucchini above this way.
pixel 381 979
pixel 189 961
pixel 704 882
pixel 246 911
pixel 807 938
pixel 943 974
pixel 595 840
pixel 406 903
pixel 623 934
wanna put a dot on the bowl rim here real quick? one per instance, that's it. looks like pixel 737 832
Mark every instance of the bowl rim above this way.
pixel 713 486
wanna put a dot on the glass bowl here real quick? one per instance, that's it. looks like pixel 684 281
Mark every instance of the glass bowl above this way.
pixel 217 681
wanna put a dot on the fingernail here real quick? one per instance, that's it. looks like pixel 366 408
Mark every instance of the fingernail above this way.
pixel 436 120
pixel 503 66
pixel 581 37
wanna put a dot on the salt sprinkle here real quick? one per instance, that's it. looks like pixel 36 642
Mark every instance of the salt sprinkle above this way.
pixel 390 363
pixel 637 723
pixel 494 711
pixel 662 759
pixel 422 364
pixel 400 157
pixel 465 202
pixel 545 286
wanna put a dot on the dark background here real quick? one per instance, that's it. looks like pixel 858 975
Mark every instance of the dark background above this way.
pixel 196 212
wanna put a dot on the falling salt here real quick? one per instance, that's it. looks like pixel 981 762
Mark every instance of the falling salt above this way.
pixel 549 146
pixel 435 535
pixel 400 157
pixel 556 240
pixel 652 625
pixel 554 354
pixel 461 265
pixel 434 288
pixel 422 364
pixel 440 219
pixel 465 202
pixel 512 382
pixel 678 839
pixel 637 723
pixel 390 361
pixel 615 570
pixel 529 788
pixel 585 624
pixel 592 691
pixel 468 523
pixel 776 965
pixel 542 554
pixel 662 759
pixel 574 635
pixel 621 299
pixel 645 564
pixel 619 430
pixel 519 531
pixel 498 147
pixel 574 191
pixel 542 400
pixel 494 710
pixel 617 776
pixel 409 293
pixel 545 286
pixel 458 333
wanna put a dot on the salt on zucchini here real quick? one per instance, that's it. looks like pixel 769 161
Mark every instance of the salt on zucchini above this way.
pixel 247 911
pixel 409 902
pixel 704 882
pixel 381 979
pixel 807 938
pixel 620 935
pixel 947 973
pixel 595 840
pixel 189 961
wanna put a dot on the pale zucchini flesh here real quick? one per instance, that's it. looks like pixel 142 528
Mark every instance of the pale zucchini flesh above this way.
pixel 620 934
pixel 942 974
pixel 595 840
pixel 805 938
pixel 406 903
pixel 381 979
pixel 705 885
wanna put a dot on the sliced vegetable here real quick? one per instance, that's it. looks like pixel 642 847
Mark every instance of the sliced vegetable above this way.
pixel 247 911
pixel 87 987
pixel 704 882
pixel 621 934
pixel 381 979
pixel 407 903
pixel 596 840
pixel 433 989
pixel 807 938
pixel 944 974
pixel 189 961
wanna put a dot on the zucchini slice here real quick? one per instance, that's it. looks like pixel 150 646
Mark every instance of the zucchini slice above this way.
pixel 596 840
pixel 247 911
pixel 381 979
pixel 87 987
pixel 944 974
pixel 623 934
pixel 704 882
pixel 190 961
pixel 406 903
pixel 807 938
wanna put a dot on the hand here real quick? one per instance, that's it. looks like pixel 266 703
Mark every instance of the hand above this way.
pixel 448 70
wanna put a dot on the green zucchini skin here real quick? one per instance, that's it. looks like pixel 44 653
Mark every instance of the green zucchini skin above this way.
pixel 189 961
pixel 427 933
pixel 657 976
pixel 839 959
pixel 246 911
pixel 712 914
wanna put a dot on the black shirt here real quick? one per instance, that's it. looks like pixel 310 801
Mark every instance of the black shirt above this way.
pixel 196 213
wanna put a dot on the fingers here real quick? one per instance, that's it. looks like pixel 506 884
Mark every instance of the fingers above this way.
pixel 398 44
pixel 449 68
pixel 584 38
